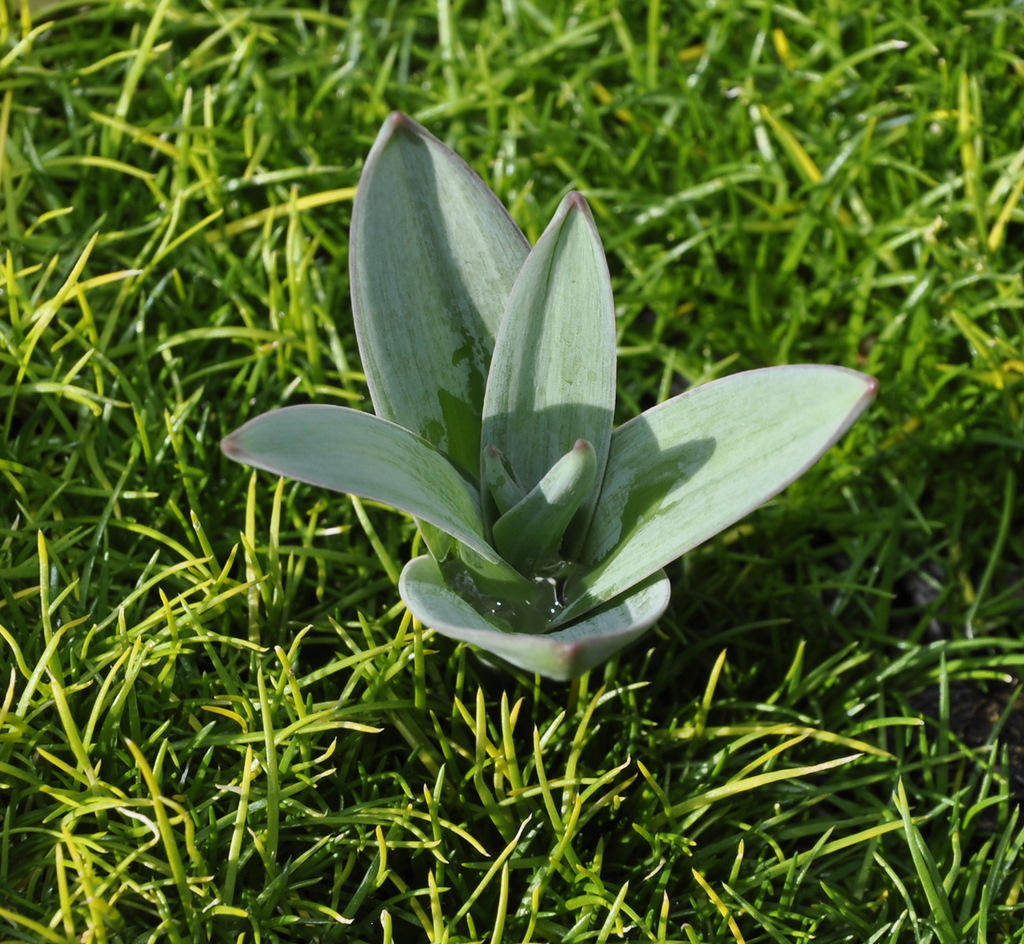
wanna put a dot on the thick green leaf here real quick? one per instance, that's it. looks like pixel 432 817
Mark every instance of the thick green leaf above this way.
pixel 529 535
pixel 559 655
pixel 552 377
pixel 433 258
pixel 686 469
pixel 498 481
pixel 358 453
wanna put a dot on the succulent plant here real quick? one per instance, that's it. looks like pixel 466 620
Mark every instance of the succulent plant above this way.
pixel 491 368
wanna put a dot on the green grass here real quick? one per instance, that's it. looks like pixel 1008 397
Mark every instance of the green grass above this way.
pixel 217 721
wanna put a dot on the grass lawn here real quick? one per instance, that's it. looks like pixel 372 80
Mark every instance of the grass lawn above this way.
pixel 218 723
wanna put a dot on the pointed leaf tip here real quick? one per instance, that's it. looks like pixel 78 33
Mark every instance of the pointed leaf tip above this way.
pixel 576 202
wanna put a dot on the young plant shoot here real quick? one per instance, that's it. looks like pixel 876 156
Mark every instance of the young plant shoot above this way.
pixel 491 367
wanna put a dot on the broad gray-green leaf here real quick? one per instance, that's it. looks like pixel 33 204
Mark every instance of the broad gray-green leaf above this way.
pixel 552 377
pixel 359 453
pixel 686 469
pixel 432 259
pixel 563 654
pixel 528 535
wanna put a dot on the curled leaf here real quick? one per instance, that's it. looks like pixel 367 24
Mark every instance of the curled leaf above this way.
pixel 498 480
pixel 563 654
pixel 528 536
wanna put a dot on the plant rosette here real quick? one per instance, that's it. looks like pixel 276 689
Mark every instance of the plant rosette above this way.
pixel 491 368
